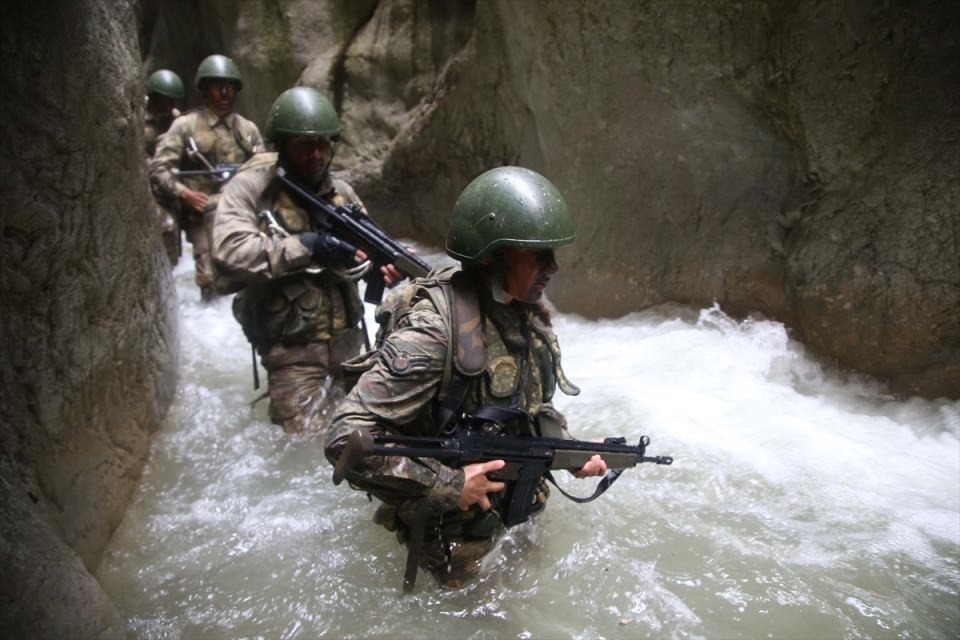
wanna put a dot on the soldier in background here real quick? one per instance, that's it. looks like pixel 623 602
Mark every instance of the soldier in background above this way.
pixel 164 91
pixel 200 140
pixel 299 305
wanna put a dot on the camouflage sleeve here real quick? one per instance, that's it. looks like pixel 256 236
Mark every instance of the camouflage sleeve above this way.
pixel 390 397
pixel 167 157
pixel 241 251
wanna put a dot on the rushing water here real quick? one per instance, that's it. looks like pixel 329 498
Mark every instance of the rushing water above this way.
pixel 801 504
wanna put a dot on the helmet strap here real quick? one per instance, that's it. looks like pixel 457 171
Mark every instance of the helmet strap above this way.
pixel 496 279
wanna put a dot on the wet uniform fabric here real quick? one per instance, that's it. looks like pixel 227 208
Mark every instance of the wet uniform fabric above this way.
pixel 303 320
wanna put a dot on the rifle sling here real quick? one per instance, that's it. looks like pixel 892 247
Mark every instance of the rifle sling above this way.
pixel 415 548
pixel 605 483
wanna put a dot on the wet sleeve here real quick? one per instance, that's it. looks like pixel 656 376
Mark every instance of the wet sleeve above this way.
pixel 241 250
pixel 166 159
pixel 388 398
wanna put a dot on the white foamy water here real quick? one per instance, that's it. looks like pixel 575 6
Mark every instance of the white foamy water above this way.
pixel 802 503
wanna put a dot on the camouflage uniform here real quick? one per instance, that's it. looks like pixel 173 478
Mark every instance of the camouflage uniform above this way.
pixel 232 139
pixel 153 128
pixel 301 319
pixel 399 394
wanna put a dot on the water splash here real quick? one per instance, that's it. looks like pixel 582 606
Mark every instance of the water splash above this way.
pixel 803 501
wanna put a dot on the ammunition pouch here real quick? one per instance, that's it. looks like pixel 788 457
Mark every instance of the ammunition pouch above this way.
pixel 298 310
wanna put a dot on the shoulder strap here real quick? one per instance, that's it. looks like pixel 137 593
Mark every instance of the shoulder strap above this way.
pixel 466 354
pixel 604 484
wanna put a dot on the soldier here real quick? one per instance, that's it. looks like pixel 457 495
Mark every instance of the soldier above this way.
pixel 199 140
pixel 298 306
pixel 164 91
pixel 505 226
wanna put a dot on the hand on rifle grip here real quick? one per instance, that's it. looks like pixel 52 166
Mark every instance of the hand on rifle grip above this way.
pixel 476 485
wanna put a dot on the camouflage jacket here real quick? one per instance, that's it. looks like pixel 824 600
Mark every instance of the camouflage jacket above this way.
pixel 285 297
pixel 153 128
pixel 232 139
pixel 521 369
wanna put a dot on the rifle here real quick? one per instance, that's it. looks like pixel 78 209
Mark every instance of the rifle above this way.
pixel 480 437
pixel 223 171
pixel 352 222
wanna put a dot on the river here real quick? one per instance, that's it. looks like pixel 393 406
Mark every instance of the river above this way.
pixel 803 503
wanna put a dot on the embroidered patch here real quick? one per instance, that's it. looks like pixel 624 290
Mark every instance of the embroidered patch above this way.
pixel 400 362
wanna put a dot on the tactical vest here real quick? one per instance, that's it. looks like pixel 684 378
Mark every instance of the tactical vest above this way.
pixel 308 306
pixel 486 363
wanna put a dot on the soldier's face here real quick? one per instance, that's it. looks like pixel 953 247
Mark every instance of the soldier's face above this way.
pixel 219 96
pixel 308 157
pixel 527 272
pixel 160 105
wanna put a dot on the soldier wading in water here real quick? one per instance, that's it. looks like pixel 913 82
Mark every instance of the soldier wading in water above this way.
pixel 299 305
pixel 200 140
pixel 477 336
pixel 164 91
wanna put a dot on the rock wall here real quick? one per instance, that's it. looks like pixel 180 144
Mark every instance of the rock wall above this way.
pixel 793 159
pixel 88 326
pixel 789 158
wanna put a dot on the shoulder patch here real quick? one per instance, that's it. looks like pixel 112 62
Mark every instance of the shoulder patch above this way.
pixel 402 363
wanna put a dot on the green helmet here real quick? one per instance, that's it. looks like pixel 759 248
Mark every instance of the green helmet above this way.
pixel 302 111
pixel 508 207
pixel 166 83
pixel 218 67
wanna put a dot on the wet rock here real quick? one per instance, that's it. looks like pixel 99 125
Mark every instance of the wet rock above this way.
pixel 88 324
pixel 790 159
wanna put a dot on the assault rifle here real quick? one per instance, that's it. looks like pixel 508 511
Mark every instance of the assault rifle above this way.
pixel 223 171
pixel 353 224
pixel 480 437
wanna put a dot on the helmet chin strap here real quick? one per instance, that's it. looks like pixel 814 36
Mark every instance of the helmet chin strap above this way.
pixel 497 282
pixel 499 293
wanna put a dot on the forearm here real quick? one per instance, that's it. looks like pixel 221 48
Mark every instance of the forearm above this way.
pixel 165 161
pixel 394 396
pixel 241 249
pixel 252 255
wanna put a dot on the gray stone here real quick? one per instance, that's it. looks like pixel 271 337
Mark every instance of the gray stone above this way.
pixel 88 327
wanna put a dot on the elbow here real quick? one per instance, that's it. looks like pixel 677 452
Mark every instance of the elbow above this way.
pixel 333 447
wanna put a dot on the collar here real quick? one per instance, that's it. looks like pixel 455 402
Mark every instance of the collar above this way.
pixel 213 119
